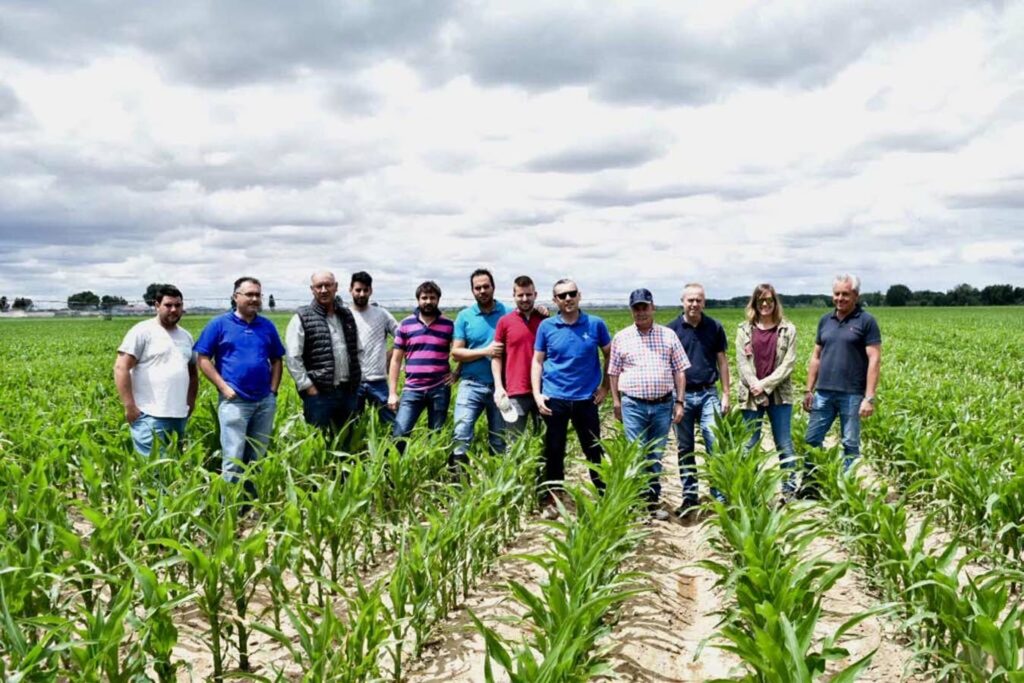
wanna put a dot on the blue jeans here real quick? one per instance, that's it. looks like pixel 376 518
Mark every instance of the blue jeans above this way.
pixel 474 398
pixel 826 406
pixel 414 401
pixel 703 407
pixel 329 409
pixel 648 423
pixel 146 428
pixel 245 429
pixel 781 419
pixel 375 392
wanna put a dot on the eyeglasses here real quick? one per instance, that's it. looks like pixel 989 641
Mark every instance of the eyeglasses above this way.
pixel 767 301
pixel 567 295
pixel 250 295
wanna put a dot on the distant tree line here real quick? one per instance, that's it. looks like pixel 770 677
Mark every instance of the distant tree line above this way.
pixel 901 295
pixel 20 304
pixel 87 301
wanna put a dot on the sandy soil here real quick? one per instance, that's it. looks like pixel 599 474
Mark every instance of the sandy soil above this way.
pixel 662 635
pixel 665 634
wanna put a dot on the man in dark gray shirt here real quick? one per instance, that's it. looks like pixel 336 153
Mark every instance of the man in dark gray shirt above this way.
pixel 843 373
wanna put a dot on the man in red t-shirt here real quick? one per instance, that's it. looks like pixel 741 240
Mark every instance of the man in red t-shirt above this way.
pixel 515 333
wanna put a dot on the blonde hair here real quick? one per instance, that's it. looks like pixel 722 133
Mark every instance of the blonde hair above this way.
pixel 753 312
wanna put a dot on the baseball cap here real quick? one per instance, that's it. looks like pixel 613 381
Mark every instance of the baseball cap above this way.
pixel 641 296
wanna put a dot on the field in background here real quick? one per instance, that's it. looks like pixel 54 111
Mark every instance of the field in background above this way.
pixel 111 564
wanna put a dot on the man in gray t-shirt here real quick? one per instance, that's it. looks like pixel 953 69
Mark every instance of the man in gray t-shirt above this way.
pixel 842 377
pixel 375 325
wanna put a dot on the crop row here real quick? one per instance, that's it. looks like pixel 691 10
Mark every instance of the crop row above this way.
pixel 968 626
pixel 583 582
pixel 105 551
pixel 773 581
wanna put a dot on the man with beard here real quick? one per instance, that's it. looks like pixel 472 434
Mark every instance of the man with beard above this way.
pixel 323 356
pixel 516 333
pixel 375 325
pixel 423 342
pixel 568 383
pixel 473 346
pixel 240 353
pixel 155 374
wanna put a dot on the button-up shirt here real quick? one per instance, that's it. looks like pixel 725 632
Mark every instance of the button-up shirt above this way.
pixel 295 343
pixel 647 362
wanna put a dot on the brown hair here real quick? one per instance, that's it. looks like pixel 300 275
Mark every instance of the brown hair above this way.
pixel 753 312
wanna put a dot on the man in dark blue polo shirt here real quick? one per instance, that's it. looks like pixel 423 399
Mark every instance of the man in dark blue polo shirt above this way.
pixel 240 353
pixel 568 383
pixel 704 341
pixel 842 376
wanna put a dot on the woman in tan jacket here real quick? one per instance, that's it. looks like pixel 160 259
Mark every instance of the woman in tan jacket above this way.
pixel 765 355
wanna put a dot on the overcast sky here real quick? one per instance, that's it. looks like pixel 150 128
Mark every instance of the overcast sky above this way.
pixel 623 144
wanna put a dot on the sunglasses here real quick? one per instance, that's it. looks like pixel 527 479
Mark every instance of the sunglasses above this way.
pixel 767 300
pixel 567 295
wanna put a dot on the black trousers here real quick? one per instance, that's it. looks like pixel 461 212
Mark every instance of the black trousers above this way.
pixel 586 423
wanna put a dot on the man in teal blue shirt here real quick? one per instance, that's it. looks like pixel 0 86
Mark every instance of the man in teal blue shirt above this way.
pixel 473 347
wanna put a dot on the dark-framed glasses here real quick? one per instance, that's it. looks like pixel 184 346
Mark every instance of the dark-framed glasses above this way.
pixel 567 295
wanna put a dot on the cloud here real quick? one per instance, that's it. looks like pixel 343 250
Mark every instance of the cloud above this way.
pixel 608 195
pixel 1010 196
pixel 663 53
pixel 9 104
pixel 229 43
pixel 599 156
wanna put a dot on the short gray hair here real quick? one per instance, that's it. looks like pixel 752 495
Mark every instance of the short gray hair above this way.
pixel 853 281
pixel 563 281
pixel 323 271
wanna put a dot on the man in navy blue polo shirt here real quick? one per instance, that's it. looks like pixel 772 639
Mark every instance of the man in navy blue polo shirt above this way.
pixel 705 343
pixel 473 346
pixel 569 384
pixel 842 376
pixel 240 353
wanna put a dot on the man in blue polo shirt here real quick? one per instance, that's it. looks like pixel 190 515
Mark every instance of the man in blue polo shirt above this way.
pixel 842 376
pixel 240 353
pixel 473 346
pixel 704 341
pixel 569 384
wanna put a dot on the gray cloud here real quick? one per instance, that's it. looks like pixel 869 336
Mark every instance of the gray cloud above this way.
pixel 600 156
pixel 9 104
pixel 608 196
pixel 227 43
pixel 1007 197
pixel 285 161
pixel 650 56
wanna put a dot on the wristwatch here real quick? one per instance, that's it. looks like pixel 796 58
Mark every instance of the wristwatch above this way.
pixel 870 399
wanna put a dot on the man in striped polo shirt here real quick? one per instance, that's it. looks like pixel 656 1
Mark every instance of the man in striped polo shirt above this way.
pixel 423 341
pixel 647 370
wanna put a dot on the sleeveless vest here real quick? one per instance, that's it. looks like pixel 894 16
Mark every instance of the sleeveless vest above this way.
pixel 318 354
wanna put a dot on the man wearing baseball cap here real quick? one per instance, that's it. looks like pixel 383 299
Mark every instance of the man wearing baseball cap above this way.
pixel 647 371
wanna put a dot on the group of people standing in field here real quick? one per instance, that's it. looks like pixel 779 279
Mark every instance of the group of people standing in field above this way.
pixel 519 365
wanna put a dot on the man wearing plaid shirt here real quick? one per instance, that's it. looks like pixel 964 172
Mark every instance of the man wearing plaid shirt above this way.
pixel 647 365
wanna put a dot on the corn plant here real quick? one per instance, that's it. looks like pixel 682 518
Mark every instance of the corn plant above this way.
pixel 583 582
pixel 775 587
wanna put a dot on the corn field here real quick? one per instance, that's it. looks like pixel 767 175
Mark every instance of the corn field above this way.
pixel 355 560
